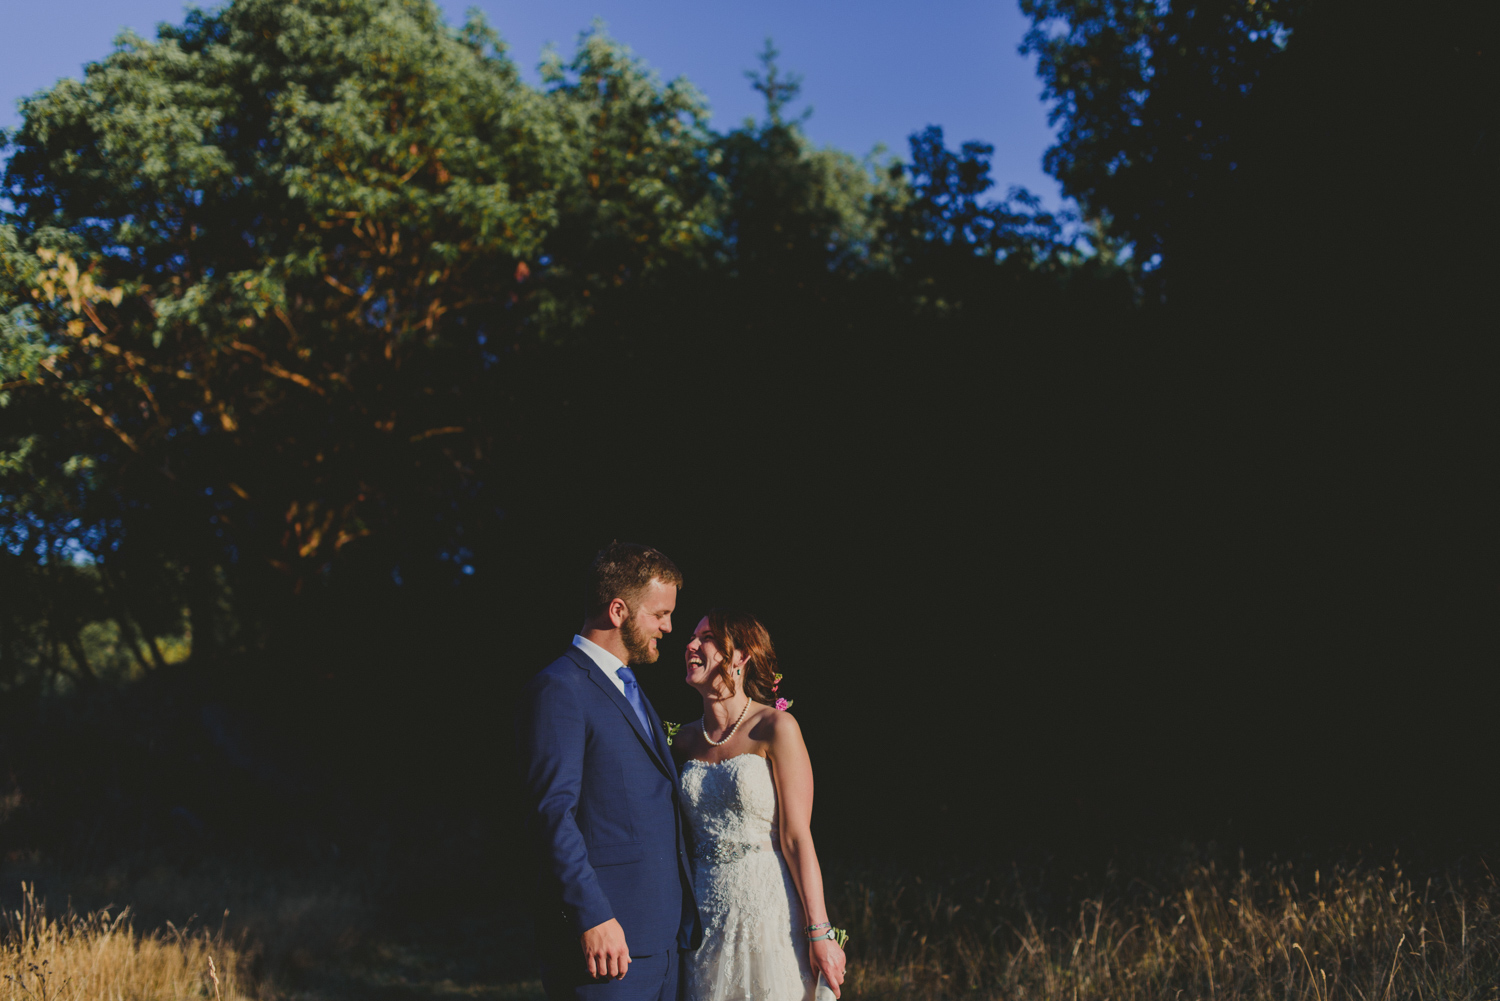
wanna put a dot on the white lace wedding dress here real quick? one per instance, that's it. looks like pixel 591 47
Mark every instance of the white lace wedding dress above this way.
pixel 754 948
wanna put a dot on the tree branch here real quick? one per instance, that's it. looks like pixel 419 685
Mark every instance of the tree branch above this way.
pixel 434 432
pixel 109 421
pixel 277 370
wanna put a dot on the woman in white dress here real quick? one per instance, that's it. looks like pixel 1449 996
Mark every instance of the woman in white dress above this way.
pixel 747 787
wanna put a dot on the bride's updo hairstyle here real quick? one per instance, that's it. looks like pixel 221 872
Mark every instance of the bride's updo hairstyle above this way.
pixel 734 630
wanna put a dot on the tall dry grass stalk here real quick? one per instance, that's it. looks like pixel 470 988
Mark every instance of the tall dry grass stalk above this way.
pixel 100 957
pixel 1347 934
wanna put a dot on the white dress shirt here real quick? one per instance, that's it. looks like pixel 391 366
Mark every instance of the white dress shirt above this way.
pixel 607 662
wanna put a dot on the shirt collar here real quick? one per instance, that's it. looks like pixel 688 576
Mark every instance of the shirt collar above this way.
pixel 608 662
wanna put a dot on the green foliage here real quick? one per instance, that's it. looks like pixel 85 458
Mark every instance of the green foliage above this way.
pixel 1150 98
pixel 944 234
pixel 321 212
pixel 636 194
pixel 794 210
pixel 1243 147
pixel 70 626
pixel 276 281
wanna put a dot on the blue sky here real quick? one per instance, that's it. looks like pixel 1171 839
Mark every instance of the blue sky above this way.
pixel 873 71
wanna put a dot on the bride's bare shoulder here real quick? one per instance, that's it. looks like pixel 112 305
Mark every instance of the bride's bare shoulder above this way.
pixel 772 725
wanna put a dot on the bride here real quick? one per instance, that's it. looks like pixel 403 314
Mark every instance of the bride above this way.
pixel 747 789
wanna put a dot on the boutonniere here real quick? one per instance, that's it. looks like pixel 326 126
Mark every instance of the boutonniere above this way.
pixel 671 729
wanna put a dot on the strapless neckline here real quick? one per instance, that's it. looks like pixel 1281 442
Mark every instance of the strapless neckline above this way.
pixel 724 761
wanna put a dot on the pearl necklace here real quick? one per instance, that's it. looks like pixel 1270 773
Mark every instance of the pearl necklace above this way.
pixel 703 725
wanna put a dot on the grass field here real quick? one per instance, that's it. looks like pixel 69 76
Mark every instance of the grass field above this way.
pixel 101 955
pixel 1272 931
pixel 1361 933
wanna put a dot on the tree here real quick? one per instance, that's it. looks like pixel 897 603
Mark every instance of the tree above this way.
pixel 947 239
pixel 287 288
pixel 1150 99
pixel 793 209
pixel 262 272
pixel 1250 150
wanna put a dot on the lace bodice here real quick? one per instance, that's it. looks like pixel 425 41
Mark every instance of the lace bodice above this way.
pixel 753 946
pixel 730 802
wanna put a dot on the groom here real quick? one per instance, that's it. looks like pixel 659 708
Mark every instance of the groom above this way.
pixel 616 891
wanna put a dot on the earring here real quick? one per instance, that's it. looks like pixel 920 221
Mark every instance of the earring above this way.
pixel 736 672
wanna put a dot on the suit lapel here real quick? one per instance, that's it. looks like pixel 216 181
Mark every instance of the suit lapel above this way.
pixel 596 675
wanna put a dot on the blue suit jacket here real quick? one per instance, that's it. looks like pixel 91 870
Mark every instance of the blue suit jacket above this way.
pixel 605 814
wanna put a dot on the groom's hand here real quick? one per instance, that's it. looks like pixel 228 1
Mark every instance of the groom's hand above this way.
pixel 605 952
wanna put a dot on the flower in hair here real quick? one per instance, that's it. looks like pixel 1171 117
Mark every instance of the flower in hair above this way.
pixel 775 682
pixel 783 704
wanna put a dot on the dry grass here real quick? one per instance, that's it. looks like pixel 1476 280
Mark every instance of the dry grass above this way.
pixel 1355 933
pixel 1347 933
pixel 99 956
pixel 301 933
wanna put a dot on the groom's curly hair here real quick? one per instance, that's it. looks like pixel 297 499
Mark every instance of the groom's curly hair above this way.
pixel 624 570
pixel 735 630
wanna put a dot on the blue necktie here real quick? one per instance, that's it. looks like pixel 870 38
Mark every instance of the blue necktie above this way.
pixel 634 697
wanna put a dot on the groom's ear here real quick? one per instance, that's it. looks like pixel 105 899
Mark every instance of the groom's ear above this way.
pixel 618 612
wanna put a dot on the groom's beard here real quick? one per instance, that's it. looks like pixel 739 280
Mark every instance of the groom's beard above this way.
pixel 637 643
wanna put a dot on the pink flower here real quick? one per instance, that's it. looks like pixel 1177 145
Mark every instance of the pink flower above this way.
pixel 783 704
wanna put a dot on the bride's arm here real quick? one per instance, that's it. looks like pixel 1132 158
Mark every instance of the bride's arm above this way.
pixel 794 794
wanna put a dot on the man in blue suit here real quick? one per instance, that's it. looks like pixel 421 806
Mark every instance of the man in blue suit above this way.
pixel 616 893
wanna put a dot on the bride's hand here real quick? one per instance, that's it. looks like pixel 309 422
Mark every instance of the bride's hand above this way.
pixel 828 959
